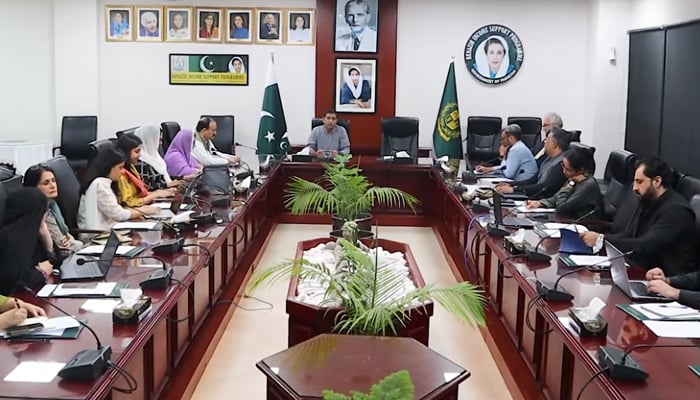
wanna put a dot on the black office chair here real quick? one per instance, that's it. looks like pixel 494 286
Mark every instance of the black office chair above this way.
pixel 129 130
pixel 483 138
pixel 590 149
pixel 575 136
pixel 345 123
pixel 225 132
pixel 169 130
pixel 399 134
pixel 68 190
pixel 97 145
pixel 618 177
pixel 3 198
pixel 531 129
pixel 76 133
pixel 688 186
pixel 13 184
pixel 694 203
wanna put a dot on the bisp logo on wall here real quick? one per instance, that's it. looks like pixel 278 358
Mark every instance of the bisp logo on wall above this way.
pixel 493 54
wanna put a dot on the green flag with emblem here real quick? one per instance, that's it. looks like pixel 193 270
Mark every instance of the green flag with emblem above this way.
pixel 272 130
pixel 447 136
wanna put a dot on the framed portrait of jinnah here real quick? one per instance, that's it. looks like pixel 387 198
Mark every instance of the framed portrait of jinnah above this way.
pixel 356 26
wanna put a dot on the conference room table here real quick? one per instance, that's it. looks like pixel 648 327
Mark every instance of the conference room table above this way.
pixel 167 351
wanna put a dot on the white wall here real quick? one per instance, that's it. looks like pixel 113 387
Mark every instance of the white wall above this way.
pixel 553 76
pixel 27 71
pixel 648 13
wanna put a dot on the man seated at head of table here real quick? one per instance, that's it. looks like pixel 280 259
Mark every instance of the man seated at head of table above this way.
pixel 204 150
pixel 329 138
pixel 661 230
pixel 519 163
pixel 550 177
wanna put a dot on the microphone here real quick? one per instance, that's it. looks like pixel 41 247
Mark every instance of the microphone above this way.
pixel 554 294
pixel 159 279
pixel 620 365
pixel 534 255
pixel 85 365
pixel 237 144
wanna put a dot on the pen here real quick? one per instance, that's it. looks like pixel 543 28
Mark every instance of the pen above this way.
pixel 17 303
pixel 672 306
pixel 15 340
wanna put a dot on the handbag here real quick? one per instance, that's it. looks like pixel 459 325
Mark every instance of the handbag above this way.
pixel 216 180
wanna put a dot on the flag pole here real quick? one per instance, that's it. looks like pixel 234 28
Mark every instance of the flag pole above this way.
pixel 272 56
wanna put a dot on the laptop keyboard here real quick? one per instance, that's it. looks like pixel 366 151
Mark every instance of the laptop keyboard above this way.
pixel 88 269
pixel 640 289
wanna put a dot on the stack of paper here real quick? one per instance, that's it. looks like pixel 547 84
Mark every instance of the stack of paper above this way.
pixel 96 250
pixel 52 326
pixel 667 311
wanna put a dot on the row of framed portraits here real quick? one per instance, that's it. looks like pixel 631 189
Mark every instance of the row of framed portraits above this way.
pixel 210 24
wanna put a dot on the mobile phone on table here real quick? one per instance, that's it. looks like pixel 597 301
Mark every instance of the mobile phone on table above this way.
pixel 19 330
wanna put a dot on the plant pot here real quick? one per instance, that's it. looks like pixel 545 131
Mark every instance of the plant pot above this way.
pixel 363 221
pixel 360 234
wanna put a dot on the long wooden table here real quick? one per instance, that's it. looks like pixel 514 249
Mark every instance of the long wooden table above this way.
pixel 168 350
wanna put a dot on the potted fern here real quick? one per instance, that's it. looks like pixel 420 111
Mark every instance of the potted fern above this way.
pixel 368 297
pixel 395 386
pixel 343 192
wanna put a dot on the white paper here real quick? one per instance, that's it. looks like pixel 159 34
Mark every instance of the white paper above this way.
pixel 524 209
pixel 493 181
pixel 130 296
pixel 100 306
pixel 591 311
pixel 580 260
pixel 674 329
pixel 402 154
pixel 551 229
pixel 147 225
pixel 96 250
pixel 34 371
pixel 167 205
pixel 245 183
pixel 101 289
pixel 46 290
pixel 28 321
pixel 182 217
pixel 305 151
pixel 673 310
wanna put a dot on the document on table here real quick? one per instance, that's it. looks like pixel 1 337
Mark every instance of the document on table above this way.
pixel 34 371
pixel 78 289
pixel 52 326
pixel 551 229
pixel 524 209
pixel 667 311
pixel 144 226
pixel 674 329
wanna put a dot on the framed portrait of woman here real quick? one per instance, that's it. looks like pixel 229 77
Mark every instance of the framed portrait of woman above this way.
pixel 240 24
pixel 178 21
pixel 149 21
pixel 355 87
pixel 302 26
pixel 208 24
pixel 118 24
pixel 270 26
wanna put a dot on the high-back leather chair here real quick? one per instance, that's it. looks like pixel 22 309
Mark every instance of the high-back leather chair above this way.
pixel 618 177
pixel 575 136
pixel 98 145
pixel 13 184
pixel 3 198
pixel 531 129
pixel 580 145
pixel 483 137
pixel 129 130
pixel 399 134
pixel 345 123
pixel 688 186
pixel 68 190
pixel 169 130
pixel 76 133
pixel 225 132
pixel 694 203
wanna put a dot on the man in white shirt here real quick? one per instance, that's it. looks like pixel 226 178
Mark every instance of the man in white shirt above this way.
pixel 204 150
pixel 361 37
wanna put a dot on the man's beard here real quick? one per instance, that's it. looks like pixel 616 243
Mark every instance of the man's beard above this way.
pixel 648 198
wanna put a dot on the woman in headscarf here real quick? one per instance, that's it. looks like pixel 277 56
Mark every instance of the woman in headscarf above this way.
pixel 133 191
pixel 236 66
pixel 99 208
pixel 24 257
pixel 43 178
pixel 356 90
pixel 151 165
pixel 179 158
pixel 495 63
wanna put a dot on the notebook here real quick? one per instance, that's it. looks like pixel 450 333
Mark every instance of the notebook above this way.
pixel 91 269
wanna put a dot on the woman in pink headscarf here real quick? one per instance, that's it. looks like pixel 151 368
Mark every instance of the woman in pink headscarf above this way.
pixel 178 158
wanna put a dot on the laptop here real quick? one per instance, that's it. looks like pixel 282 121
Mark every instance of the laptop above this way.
pixel 634 289
pixel 513 222
pixel 91 269
pixel 470 175
pixel 176 203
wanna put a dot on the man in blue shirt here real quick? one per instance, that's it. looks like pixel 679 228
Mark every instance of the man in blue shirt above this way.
pixel 328 139
pixel 519 164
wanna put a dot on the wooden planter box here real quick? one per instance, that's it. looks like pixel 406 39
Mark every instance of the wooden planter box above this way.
pixel 307 321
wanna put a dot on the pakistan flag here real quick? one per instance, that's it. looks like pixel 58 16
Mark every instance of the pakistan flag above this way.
pixel 272 131
pixel 447 136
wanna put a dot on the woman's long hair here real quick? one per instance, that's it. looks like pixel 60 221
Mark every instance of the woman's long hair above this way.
pixel 126 143
pixel 103 163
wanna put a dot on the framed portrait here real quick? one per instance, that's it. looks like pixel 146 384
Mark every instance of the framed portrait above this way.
pixel 209 69
pixel 270 26
pixel 355 85
pixel 302 26
pixel 240 24
pixel 178 21
pixel 356 25
pixel 118 23
pixel 149 21
pixel 208 25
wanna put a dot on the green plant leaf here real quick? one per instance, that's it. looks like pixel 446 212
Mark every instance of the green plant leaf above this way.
pixel 395 386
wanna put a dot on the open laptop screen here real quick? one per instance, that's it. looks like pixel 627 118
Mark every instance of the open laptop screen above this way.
pixel 109 252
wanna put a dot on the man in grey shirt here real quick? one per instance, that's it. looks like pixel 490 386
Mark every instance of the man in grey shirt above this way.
pixel 328 138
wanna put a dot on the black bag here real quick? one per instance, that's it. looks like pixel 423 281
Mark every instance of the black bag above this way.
pixel 216 180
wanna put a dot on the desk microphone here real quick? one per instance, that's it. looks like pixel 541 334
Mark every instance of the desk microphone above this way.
pixel 85 365
pixel 237 144
pixel 620 365
pixel 535 256
pixel 552 293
